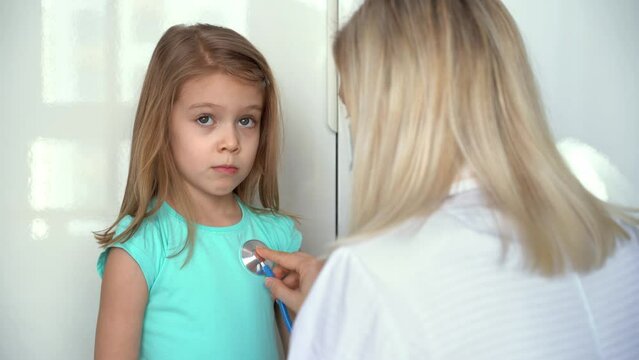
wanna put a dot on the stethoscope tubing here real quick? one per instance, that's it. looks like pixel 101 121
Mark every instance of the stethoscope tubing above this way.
pixel 287 318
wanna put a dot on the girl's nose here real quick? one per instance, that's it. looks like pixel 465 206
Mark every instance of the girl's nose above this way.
pixel 229 141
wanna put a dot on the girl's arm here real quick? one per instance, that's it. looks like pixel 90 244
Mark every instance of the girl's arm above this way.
pixel 123 301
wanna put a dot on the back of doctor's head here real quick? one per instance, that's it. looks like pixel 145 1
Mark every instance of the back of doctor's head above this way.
pixel 432 86
pixel 183 53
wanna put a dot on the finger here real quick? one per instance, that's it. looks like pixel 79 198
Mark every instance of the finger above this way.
pixel 292 281
pixel 291 298
pixel 280 272
pixel 287 260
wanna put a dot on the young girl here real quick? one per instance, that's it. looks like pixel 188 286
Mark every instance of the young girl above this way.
pixel 205 143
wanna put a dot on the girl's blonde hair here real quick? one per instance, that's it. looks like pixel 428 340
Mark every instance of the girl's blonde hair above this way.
pixel 435 85
pixel 185 52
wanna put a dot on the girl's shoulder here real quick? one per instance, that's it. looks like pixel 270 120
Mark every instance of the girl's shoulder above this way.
pixel 267 217
pixel 151 225
pixel 147 244
pixel 154 233
pixel 279 230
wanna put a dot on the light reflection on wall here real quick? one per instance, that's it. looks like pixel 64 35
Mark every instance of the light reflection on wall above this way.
pixel 84 227
pixel 98 51
pixel 39 229
pixel 597 173
pixel 319 5
pixel 50 183
pixel 64 175
pixel 74 51
pixel 141 23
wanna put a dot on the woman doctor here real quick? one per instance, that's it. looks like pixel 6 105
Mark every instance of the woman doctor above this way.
pixel 470 236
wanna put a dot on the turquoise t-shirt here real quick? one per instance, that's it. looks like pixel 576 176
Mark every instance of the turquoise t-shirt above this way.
pixel 212 308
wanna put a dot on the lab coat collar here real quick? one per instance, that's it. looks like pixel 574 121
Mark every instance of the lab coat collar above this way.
pixel 463 185
pixel 466 182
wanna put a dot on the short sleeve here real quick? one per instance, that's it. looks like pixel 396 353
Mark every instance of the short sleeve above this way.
pixel 287 238
pixel 145 247
pixel 293 241
pixel 343 317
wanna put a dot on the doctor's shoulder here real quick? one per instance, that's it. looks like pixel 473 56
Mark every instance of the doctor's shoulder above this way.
pixel 412 242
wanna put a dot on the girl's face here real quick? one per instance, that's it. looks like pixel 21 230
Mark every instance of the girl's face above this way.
pixel 214 133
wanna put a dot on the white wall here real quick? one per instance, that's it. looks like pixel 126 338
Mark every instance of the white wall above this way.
pixel 585 54
pixel 70 74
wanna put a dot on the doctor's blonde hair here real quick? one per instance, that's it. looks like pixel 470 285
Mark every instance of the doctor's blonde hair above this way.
pixel 435 85
pixel 182 53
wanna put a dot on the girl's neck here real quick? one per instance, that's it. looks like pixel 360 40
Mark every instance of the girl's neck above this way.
pixel 218 211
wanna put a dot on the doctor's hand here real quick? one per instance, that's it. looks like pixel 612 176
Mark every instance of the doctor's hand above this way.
pixel 297 271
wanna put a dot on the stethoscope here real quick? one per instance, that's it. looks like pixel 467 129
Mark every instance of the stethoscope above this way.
pixel 260 267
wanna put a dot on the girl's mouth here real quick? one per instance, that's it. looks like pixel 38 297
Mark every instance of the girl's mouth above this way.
pixel 225 169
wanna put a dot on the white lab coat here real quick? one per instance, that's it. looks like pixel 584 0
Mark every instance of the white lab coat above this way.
pixel 441 289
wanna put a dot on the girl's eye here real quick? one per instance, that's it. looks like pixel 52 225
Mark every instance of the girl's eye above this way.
pixel 247 122
pixel 205 120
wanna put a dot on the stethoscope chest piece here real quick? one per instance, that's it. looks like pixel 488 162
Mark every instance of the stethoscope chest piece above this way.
pixel 256 265
pixel 250 259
